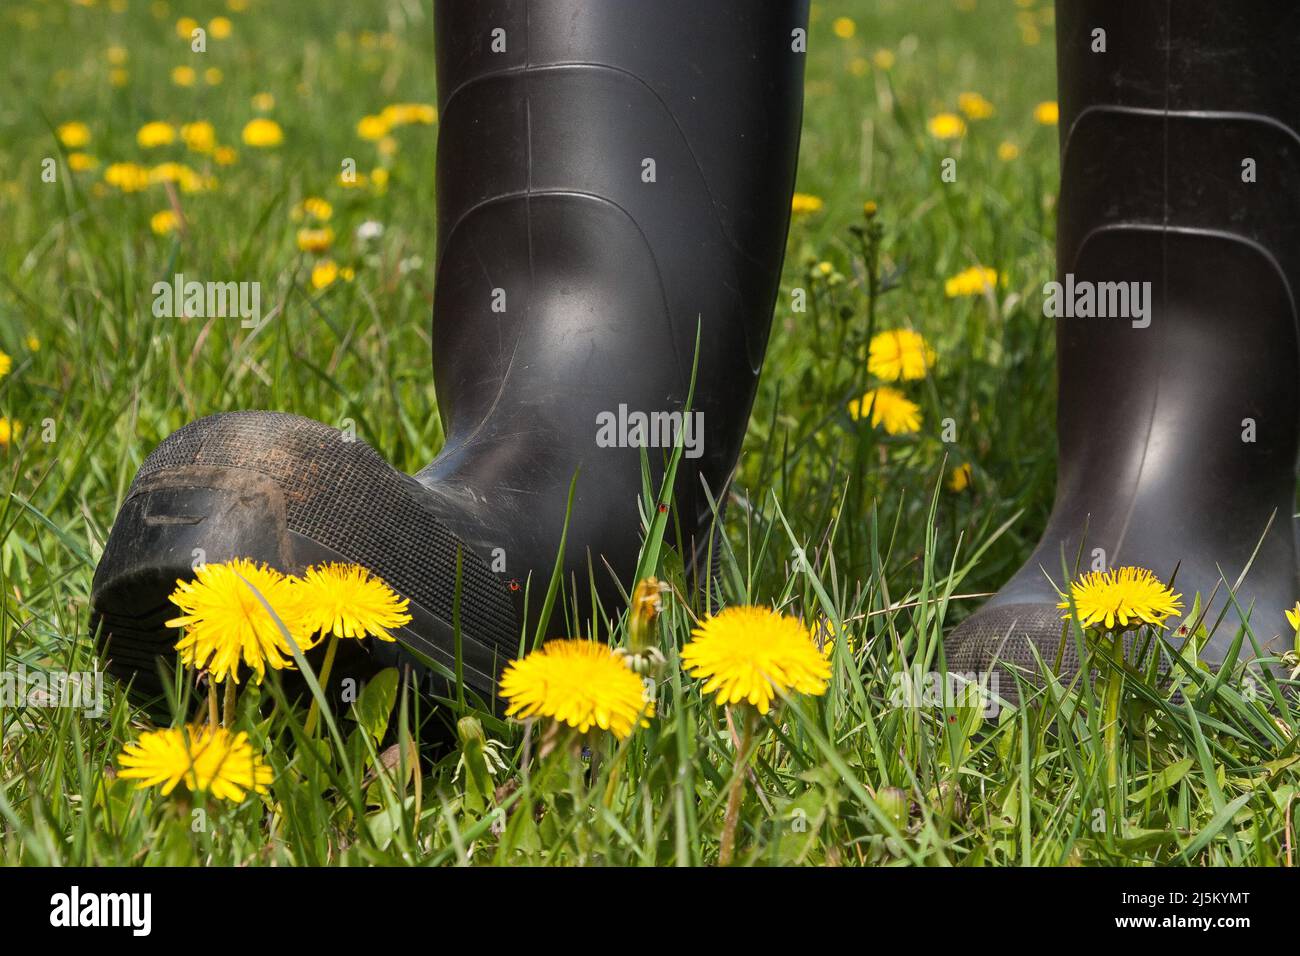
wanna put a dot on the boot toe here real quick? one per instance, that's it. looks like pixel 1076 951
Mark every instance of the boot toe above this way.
pixel 1008 643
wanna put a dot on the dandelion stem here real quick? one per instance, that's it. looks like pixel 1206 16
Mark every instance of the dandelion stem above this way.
pixel 1114 683
pixel 212 703
pixel 228 711
pixel 731 818
pixel 313 715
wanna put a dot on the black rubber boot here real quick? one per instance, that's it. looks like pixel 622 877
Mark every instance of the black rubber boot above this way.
pixel 1180 166
pixel 611 177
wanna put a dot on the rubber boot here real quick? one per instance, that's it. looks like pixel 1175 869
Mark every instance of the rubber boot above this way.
pixel 612 179
pixel 1177 430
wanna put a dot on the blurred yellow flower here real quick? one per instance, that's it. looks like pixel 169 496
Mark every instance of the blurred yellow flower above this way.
pixel 844 27
pixel 973 281
pixel 315 240
pixel 74 135
pixel 183 75
pixel 380 178
pixel 128 177
pixel 164 222
pixel 199 136
pixel 224 156
pixel 188 179
pixel 118 77
pixel 899 354
pixel 859 66
pixel 408 114
pixel 9 431
pixel 804 203
pixel 889 406
pixel 236 6
pixel 1008 151
pixel 354 181
pixel 263 102
pixel 81 162
pixel 213 76
pixel 324 273
pixel 1048 113
pixel 959 478
pixel 262 133
pixel 6 363
pixel 975 106
pixel 219 28
pixel 116 55
pixel 372 128
pixel 185 27
pixel 155 134
pixel 387 146
pixel 313 206
pixel 32 342
pixel 947 126
pixel 883 59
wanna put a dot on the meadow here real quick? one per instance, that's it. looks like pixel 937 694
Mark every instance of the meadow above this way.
pixel 127 157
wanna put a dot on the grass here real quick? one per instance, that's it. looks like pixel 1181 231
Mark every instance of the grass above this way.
pixel 891 555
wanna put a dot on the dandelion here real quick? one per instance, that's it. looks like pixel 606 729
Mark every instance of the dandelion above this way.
pixel 219 28
pixel 580 683
pixel 32 342
pixel 199 136
pixel 312 206
pixel 973 281
pixel 1047 113
pixel 859 66
pixel 74 135
pixel 975 106
pixel 387 146
pixel 805 203
pixel 324 273
pixel 6 363
pixel 1007 151
pixel 213 76
pixel 889 406
pixel 379 177
pixel 116 55
pixel 263 102
pixel 205 759
pixel 315 240
pixel 346 600
pixel 751 654
pixel 8 431
pixel 224 156
pixel 262 133
pixel 185 27
pixel 409 114
pixel 225 622
pixel 959 478
pixel 155 134
pixel 1124 598
pixel 81 162
pixel 164 222
pixel 883 59
pixel 128 177
pixel 844 27
pixel 1293 617
pixel 899 354
pixel 118 77
pixel 947 126
pixel 183 75
pixel 372 128
pixel 188 179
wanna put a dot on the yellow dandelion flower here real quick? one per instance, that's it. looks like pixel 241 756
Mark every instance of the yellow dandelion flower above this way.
pixel 974 105
pixel 118 77
pixel 185 27
pixel 213 76
pixel 580 683
pixel 409 114
pixel 372 128
pixel 262 133
pixel 844 27
pixel 155 134
pixel 1121 599
pixel 752 654
pixel 380 178
pixel 219 28
pixel 804 203
pixel 899 354
pixel 32 342
pixel 1007 151
pixel 387 146
pixel 314 206
pixel 315 240
pixel 225 621
pixel 81 162
pixel 263 102
pixel 8 431
pixel 164 222
pixel 973 281
pixel 959 478
pixel 183 75
pixel 188 179
pixel 199 136
pixel 947 126
pixel 116 55
pixel 346 600
pixel 6 363
pixel 324 273
pixel 205 759
pixel 889 406
pixel 353 181
pixel 1048 113
pixel 883 59
pixel 224 156
pixel 1293 617
pixel 236 6
pixel 128 177
pixel 74 135
pixel 859 66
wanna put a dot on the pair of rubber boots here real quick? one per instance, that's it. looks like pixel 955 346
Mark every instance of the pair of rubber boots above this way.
pixel 614 187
